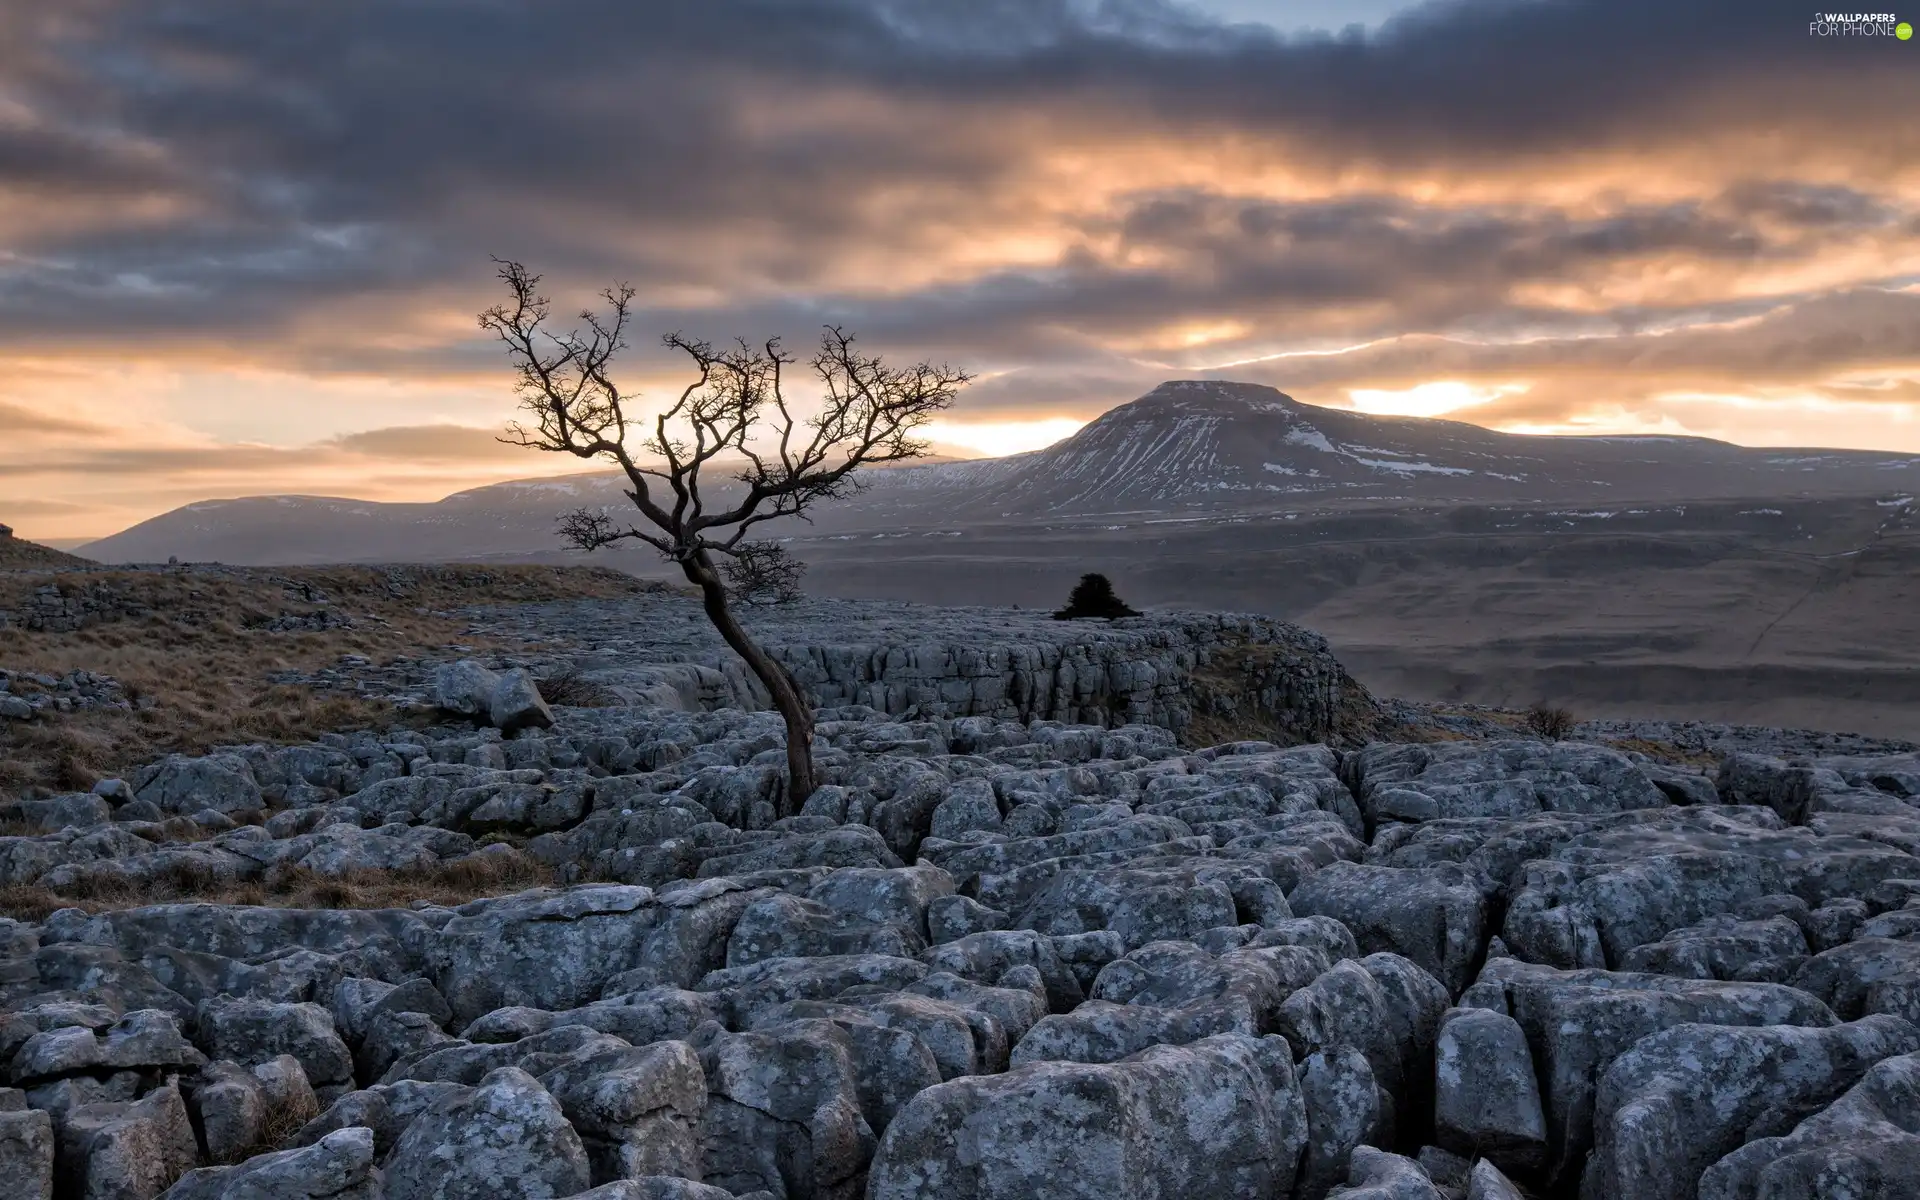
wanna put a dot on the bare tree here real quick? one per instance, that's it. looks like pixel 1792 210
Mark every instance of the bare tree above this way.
pixel 735 407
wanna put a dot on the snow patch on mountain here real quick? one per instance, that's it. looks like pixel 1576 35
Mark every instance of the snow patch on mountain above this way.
pixel 1409 468
pixel 1307 435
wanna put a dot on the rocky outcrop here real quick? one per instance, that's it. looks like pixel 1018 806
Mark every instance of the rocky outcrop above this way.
pixel 989 958
pixel 1221 676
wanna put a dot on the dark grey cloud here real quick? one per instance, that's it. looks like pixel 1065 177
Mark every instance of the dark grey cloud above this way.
pixel 318 154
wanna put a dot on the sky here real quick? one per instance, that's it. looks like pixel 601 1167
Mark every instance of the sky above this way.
pixel 243 242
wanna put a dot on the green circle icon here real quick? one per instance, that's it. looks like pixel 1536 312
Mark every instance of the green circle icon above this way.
pixel 1903 31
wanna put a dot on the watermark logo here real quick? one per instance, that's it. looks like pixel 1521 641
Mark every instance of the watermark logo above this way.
pixel 1826 24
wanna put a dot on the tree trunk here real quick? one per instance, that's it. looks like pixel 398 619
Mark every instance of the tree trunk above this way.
pixel 786 693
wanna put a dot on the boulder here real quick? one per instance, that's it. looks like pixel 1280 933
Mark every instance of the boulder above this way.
pixel 514 703
pixel 145 1039
pixel 898 896
pixel 1382 1005
pixel 638 1110
pixel 252 1032
pixel 1863 1146
pixel 784 1114
pixel 1221 1117
pixel 1682 1098
pixel 465 688
pixel 130 1150
pixel 507 1137
pixel 26 1153
pixel 550 950
pixel 179 784
pixel 1344 1110
pixel 237 1109
pixel 783 926
pixel 1578 1022
pixel 1486 1096
pixel 1434 916
pixel 1377 1175
pixel 340 1166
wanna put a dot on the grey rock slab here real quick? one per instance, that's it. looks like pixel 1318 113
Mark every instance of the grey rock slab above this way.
pixel 1863 1146
pixel 545 949
pixel 464 688
pixel 1150 904
pixel 783 926
pixel 126 1150
pixel 748 990
pixel 1378 1175
pixel 143 1039
pixel 1720 948
pixel 963 1040
pixel 638 1110
pixel 950 918
pixel 230 1110
pixel 784 1114
pixel 252 1032
pixel 1578 1022
pixel 1869 975
pixel 1435 916
pixel 468 1063
pixel 1343 1106
pixel 1016 1008
pixel 1486 1096
pixel 655 1187
pixel 1221 1117
pixel 179 784
pixel 26 1153
pixel 1682 1098
pixel 507 1137
pixel 514 703
pixel 1382 1005
pixel 1487 1182
pixel 897 896
pixel 986 957
pixel 340 1166
pixel 1425 782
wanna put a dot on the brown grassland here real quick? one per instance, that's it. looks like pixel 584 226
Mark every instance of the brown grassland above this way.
pixel 199 658
pixel 451 883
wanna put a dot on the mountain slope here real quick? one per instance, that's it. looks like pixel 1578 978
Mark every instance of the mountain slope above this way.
pixel 1187 446
pixel 18 553
pixel 1203 444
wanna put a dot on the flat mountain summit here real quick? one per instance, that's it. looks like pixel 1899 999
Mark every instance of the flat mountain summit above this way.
pixel 1186 446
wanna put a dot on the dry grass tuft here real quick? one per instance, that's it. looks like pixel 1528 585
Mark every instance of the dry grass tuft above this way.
pixel 281 1122
pixel 568 687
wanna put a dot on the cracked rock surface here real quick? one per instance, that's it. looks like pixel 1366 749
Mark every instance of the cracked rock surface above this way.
pixel 993 957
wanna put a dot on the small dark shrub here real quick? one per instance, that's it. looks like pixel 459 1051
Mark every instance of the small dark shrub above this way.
pixel 567 686
pixel 763 573
pixel 1549 723
pixel 1094 596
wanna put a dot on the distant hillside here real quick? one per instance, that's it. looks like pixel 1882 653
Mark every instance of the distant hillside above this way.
pixel 1187 447
pixel 18 552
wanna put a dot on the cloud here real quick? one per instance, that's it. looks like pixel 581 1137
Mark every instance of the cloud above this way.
pixel 20 420
pixel 430 443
